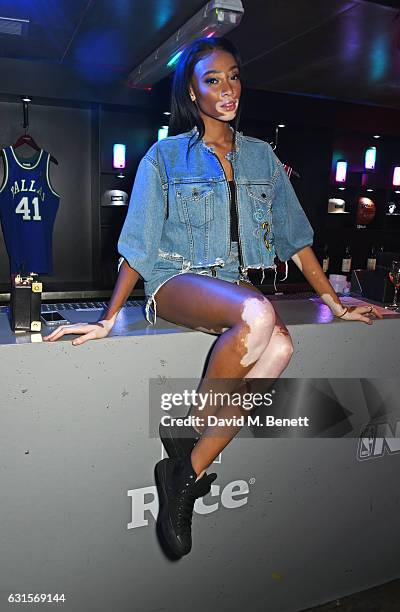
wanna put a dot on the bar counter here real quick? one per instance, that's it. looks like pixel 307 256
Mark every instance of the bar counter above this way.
pixel 289 523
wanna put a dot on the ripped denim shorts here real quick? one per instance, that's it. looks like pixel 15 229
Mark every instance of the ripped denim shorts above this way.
pixel 229 272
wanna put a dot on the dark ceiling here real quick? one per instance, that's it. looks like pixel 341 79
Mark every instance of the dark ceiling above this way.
pixel 343 49
pixel 340 49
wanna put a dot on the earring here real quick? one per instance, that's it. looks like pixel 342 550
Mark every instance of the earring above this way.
pixel 192 97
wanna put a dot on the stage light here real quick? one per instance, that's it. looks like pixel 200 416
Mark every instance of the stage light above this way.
pixel 216 18
pixel 341 171
pixel 119 151
pixel 370 158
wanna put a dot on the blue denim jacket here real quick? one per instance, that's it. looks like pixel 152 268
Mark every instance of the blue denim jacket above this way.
pixel 179 211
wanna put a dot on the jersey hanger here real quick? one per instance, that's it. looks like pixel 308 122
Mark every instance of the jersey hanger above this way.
pixel 27 139
pixel 288 169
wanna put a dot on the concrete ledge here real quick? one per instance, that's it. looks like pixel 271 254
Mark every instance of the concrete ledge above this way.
pixel 289 523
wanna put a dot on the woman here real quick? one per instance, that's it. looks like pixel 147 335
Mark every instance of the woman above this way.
pixel 207 205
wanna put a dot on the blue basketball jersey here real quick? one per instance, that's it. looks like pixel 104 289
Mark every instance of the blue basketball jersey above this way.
pixel 28 208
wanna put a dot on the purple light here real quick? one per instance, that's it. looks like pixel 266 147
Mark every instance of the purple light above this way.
pixel 211 34
pixel 119 156
pixel 396 177
pixel 341 171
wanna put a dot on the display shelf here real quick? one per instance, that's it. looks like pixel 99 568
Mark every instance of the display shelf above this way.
pixel 116 172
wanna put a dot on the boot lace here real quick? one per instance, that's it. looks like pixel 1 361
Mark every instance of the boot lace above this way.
pixel 187 498
pixel 185 509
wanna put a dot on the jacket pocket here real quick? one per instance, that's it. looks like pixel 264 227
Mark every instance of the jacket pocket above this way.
pixel 195 203
pixel 260 196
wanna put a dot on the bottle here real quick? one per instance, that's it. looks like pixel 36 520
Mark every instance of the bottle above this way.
pixel 346 261
pixel 325 259
pixel 379 255
pixel 371 260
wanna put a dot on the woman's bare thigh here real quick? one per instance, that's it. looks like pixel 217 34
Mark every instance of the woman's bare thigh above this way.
pixel 203 302
pixel 206 303
pixel 280 327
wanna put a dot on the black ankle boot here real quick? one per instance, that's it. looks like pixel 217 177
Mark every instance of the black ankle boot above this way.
pixel 177 491
pixel 178 441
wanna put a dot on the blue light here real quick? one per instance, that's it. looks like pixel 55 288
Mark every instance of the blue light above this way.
pixel 379 58
pixel 370 158
pixel 174 59
pixel 163 132
pixel 163 14
pixel 119 151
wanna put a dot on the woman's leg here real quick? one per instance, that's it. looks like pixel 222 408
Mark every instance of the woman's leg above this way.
pixel 269 366
pixel 211 304
pixel 278 353
pixel 202 302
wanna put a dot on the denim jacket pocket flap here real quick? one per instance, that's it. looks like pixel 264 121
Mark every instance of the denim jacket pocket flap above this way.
pixel 195 203
pixel 260 191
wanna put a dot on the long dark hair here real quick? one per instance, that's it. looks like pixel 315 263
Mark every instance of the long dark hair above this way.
pixel 185 114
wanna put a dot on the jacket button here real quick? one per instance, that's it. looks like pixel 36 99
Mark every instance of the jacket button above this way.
pixel 263 195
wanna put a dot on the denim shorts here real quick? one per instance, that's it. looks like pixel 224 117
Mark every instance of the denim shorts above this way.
pixel 229 272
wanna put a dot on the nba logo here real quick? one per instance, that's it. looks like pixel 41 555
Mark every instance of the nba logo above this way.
pixel 366 442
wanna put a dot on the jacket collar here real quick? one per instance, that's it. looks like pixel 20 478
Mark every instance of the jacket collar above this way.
pixel 232 154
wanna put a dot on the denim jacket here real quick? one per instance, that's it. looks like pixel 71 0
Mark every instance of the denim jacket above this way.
pixel 179 211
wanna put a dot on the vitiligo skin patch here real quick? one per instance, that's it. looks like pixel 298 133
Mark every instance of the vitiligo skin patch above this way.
pixel 336 308
pixel 309 266
pixel 227 115
pixel 212 331
pixel 296 259
pixel 259 316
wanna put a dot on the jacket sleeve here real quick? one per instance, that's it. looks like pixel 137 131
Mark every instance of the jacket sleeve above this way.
pixel 292 230
pixel 141 233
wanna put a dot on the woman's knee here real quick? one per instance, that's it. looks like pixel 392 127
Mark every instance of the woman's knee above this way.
pixel 283 345
pixel 257 321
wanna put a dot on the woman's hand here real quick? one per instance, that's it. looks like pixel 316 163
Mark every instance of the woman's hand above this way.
pixel 360 313
pixel 90 331
pixel 309 265
pixel 126 281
